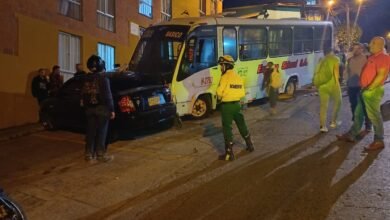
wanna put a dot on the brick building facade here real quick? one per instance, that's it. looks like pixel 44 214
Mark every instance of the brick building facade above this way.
pixel 40 34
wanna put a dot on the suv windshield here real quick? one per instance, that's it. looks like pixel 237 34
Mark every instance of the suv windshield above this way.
pixel 158 50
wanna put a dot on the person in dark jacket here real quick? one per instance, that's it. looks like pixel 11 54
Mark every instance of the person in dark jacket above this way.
pixel 96 98
pixel 56 81
pixel 79 70
pixel 40 86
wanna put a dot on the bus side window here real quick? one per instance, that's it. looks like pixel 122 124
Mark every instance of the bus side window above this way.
pixel 322 38
pixel 230 42
pixel 205 54
pixel 280 41
pixel 303 40
pixel 199 55
pixel 187 62
pixel 253 43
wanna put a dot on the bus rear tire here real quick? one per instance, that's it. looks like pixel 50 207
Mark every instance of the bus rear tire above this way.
pixel 202 107
pixel 291 87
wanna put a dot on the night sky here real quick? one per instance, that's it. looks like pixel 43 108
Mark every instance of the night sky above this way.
pixel 374 18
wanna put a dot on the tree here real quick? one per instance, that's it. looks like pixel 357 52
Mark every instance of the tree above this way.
pixel 342 34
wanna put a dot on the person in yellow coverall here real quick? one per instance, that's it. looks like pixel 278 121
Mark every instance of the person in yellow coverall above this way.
pixel 230 91
pixel 329 90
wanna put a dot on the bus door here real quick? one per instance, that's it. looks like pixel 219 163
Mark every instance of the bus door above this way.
pixel 197 73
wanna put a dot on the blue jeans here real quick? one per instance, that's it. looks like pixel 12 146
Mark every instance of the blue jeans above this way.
pixel 96 132
pixel 353 95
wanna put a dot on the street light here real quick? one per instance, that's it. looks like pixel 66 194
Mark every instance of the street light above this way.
pixel 360 2
pixel 330 4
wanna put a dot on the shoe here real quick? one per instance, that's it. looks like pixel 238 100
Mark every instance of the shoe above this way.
pixel 345 137
pixel 249 144
pixel 323 129
pixel 335 124
pixel 273 111
pixel 89 157
pixel 376 145
pixel 105 158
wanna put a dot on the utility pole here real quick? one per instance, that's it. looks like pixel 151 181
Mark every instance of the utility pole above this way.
pixel 348 26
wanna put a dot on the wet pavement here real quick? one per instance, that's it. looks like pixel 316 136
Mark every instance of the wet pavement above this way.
pixel 295 172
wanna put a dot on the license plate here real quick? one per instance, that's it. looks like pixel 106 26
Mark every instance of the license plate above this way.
pixel 155 100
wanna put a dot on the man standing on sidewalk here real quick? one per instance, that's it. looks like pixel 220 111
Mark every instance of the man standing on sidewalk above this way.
pixel 40 86
pixel 354 68
pixel 96 98
pixel 230 91
pixel 372 83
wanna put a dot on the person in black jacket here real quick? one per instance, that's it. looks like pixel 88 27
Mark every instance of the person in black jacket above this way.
pixel 79 70
pixel 96 98
pixel 40 86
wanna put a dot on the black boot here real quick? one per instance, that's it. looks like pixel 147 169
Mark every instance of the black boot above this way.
pixel 249 144
pixel 229 151
pixel 228 155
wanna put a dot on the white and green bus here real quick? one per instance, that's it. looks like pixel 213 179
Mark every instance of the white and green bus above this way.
pixel 183 53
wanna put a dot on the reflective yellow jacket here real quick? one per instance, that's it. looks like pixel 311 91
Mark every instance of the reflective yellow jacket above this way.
pixel 231 87
pixel 276 79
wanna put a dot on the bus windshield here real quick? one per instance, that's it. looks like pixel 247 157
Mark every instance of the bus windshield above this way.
pixel 158 50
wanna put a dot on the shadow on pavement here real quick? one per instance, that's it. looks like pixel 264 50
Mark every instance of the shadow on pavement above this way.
pixel 281 186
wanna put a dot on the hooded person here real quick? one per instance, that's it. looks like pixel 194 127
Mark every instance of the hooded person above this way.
pixel 96 98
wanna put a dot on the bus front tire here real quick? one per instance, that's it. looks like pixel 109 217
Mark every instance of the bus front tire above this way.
pixel 201 108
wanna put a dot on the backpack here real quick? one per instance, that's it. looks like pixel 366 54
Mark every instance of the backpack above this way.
pixel 322 73
pixel 90 92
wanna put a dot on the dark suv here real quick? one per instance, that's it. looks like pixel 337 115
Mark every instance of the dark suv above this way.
pixel 137 104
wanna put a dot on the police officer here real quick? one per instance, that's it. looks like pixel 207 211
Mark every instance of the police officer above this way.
pixel 96 98
pixel 230 91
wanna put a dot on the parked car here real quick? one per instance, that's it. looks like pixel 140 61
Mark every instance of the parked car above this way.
pixel 138 105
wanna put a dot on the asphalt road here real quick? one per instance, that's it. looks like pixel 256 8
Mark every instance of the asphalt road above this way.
pixel 294 173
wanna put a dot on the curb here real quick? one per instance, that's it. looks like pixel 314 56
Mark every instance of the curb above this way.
pixel 7 134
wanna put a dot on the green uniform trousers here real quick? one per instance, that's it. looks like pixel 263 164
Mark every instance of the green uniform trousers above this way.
pixel 232 111
pixel 327 92
pixel 371 101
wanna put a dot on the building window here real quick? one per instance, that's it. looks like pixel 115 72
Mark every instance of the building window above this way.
pixel 280 42
pixel 253 43
pixel 68 53
pixel 145 8
pixel 107 53
pixel 202 7
pixel 314 16
pixel 230 42
pixel 105 14
pixel 311 2
pixel 166 13
pixel 70 8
